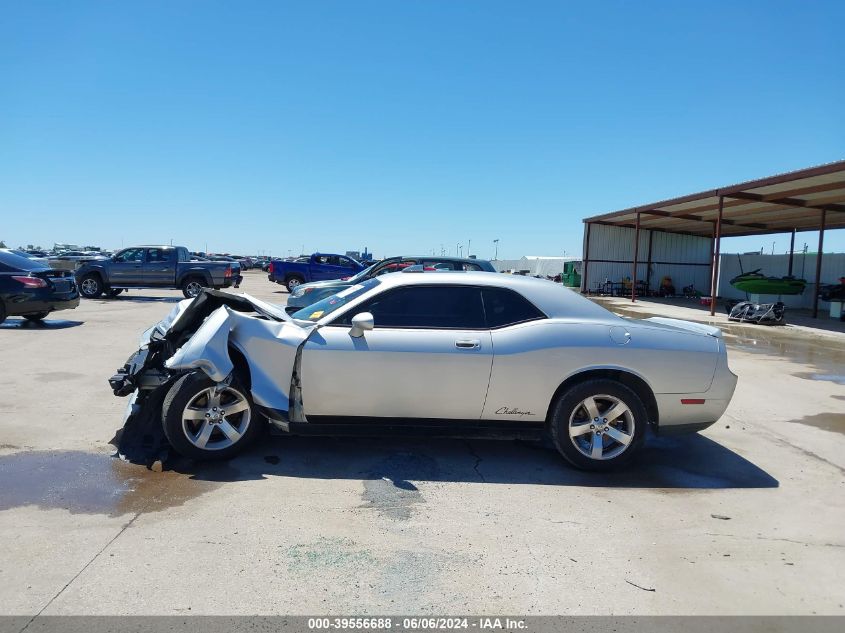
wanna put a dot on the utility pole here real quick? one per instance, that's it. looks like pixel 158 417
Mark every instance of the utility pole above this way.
pixel 496 255
pixel 469 244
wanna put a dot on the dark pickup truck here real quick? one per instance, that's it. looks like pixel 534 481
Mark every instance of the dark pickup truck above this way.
pixel 153 267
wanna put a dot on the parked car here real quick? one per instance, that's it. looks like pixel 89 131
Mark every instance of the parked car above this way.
pixel 306 294
pixel 317 267
pixel 43 261
pixel 153 267
pixel 33 290
pixel 459 352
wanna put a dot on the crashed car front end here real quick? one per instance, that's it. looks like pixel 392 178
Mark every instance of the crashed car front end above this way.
pixel 218 334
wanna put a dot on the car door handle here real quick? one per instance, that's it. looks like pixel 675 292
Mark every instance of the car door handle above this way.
pixel 467 344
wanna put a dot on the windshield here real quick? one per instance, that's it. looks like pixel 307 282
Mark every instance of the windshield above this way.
pixel 362 275
pixel 317 311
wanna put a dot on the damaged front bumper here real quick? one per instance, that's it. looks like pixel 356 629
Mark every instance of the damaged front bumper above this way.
pixel 135 375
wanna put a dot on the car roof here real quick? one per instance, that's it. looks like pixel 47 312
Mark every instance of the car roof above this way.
pixel 439 258
pixel 554 299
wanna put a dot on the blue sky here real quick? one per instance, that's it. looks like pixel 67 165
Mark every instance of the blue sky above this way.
pixel 401 126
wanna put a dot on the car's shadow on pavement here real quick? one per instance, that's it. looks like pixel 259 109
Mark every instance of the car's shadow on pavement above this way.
pixel 13 323
pixel 683 463
pixel 140 299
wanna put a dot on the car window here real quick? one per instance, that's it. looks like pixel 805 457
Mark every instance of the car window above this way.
pixel 317 311
pixel 158 255
pixel 131 255
pixel 432 307
pixel 9 262
pixel 505 307
pixel 345 262
pixel 471 266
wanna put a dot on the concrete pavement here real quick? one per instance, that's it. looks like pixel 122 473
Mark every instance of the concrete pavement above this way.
pixel 745 518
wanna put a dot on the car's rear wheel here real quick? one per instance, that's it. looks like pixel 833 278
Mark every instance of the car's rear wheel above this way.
pixel 598 424
pixel 2 312
pixel 191 287
pixel 91 286
pixel 38 316
pixel 292 282
pixel 205 420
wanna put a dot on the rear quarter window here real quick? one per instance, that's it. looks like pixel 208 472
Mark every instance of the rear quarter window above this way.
pixel 503 307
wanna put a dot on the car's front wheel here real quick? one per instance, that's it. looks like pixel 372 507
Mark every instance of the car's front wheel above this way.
pixel 206 420
pixel 598 424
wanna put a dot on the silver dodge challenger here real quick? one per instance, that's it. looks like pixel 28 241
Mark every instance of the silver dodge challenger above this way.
pixel 441 352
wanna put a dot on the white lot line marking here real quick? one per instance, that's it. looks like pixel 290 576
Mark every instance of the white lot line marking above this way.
pixel 79 573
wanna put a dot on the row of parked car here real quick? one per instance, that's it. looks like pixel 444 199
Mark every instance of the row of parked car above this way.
pixel 312 279
pixel 32 286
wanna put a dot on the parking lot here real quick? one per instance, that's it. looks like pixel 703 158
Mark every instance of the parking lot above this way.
pixel 745 518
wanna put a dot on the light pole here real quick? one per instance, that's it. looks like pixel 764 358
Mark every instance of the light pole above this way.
pixel 469 244
pixel 496 256
pixel 460 250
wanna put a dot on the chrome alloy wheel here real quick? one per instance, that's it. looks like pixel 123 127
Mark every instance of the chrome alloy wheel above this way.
pixel 89 287
pixel 216 419
pixel 293 283
pixel 601 427
pixel 193 288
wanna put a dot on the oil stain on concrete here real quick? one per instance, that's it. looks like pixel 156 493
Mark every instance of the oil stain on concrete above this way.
pixel 387 488
pixel 91 483
pixel 827 421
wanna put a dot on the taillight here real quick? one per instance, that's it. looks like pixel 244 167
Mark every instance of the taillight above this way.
pixel 270 268
pixel 31 282
pixel 228 272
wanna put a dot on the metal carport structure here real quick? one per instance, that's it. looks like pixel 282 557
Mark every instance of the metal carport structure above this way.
pixel 810 199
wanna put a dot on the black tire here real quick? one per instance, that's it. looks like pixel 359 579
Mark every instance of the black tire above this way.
pixel 189 388
pixel 190 285
pixel 2 312
pixel 38 316
pixel 607 393
pixel 113 292
pixel 91 286
pixel 292 281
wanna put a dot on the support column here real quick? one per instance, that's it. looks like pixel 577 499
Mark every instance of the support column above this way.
pixel 714 279
pixel 648 266
pixel 636 253
pixel 712 249
pixel 819 265
pixel 791 252
pixel 585 287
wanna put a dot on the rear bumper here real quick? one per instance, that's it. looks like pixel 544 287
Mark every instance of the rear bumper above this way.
pixel 33 303
pixel 691 412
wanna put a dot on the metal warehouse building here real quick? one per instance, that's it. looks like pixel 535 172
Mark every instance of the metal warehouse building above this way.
pixel 681 238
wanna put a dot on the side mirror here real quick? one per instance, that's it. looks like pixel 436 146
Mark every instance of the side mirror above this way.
pixel 360 324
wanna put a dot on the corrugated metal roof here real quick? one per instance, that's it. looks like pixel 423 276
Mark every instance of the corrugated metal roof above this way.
pixel 777 204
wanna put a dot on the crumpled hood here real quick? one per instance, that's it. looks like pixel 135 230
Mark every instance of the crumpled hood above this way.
pixel 268 346
pixel 167 323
